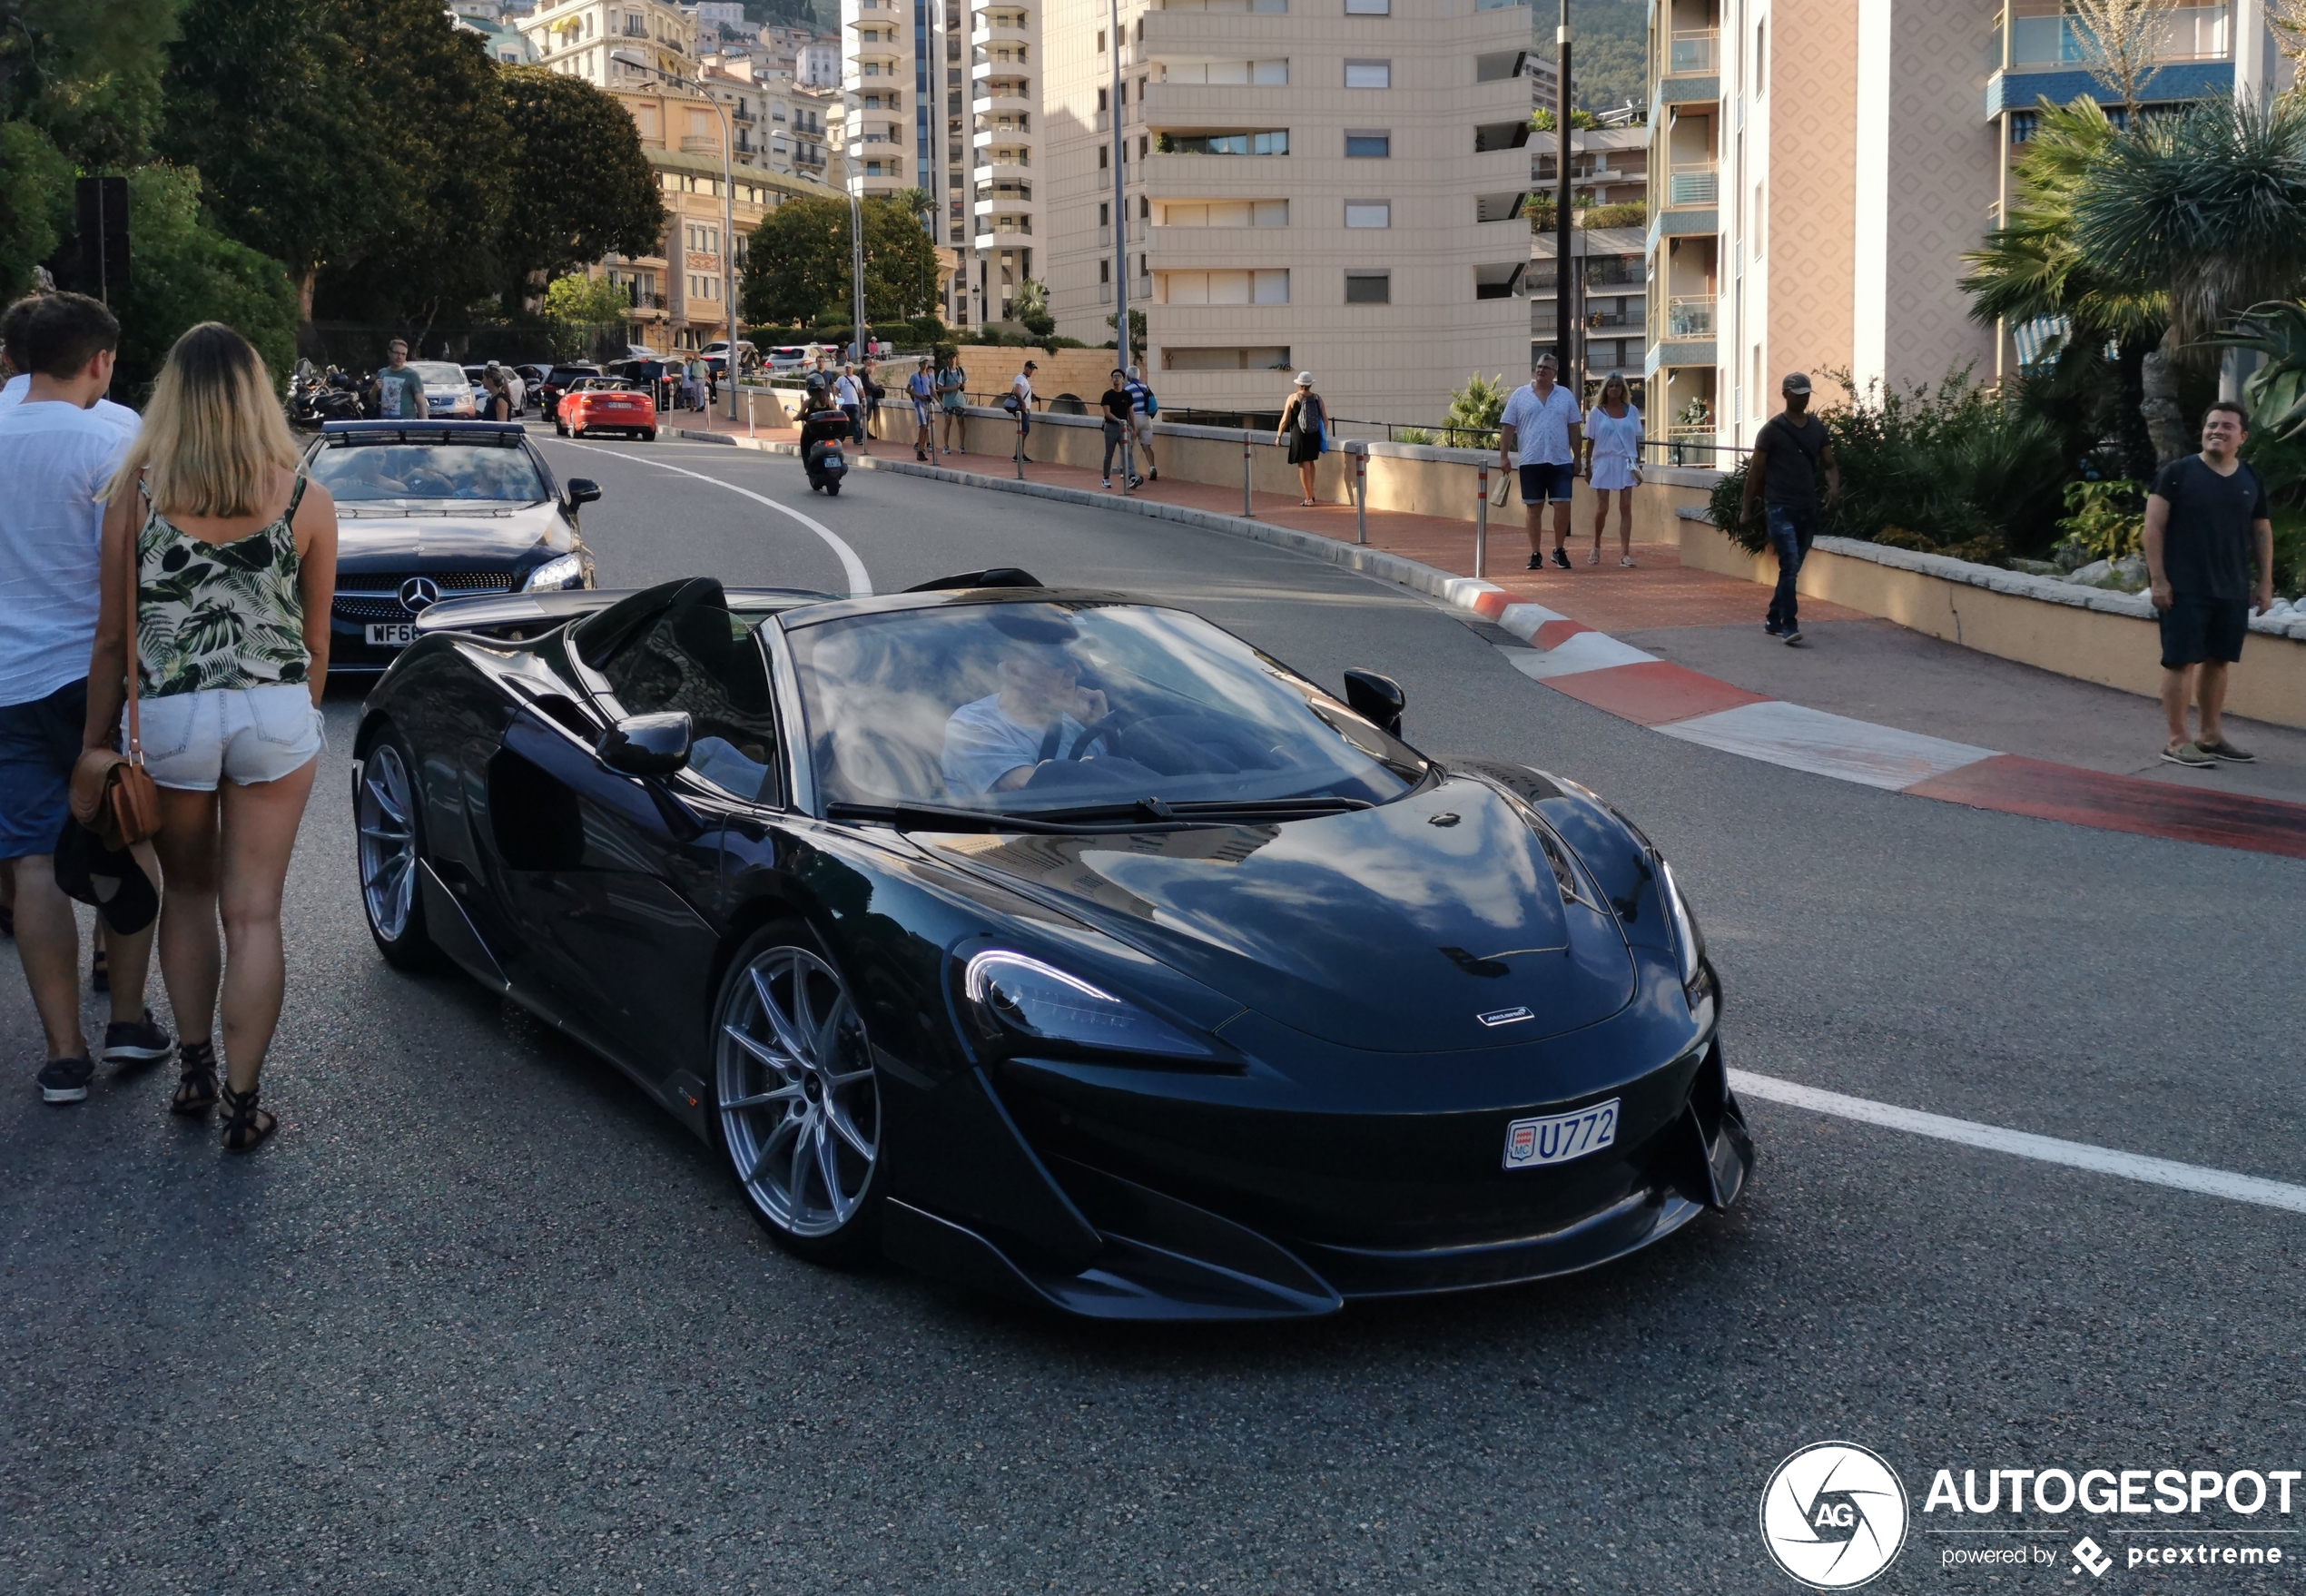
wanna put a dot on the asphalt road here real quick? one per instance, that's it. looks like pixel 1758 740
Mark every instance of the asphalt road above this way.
pixel 482 1319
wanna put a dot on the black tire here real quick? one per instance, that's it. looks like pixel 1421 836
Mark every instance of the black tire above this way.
pixel 833 490
pixel 557 428
pixel 646 435
pixel 826 1135
pixel 388 779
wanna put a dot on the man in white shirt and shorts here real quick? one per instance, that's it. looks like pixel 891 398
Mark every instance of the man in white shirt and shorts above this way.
pixel 994 744
pixel 1541 426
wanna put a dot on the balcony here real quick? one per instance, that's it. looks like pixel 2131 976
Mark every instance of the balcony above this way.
pixel 1693 53
pixel 2050 54
pixel 1693 183
pixel 2188 33
pixel 1689 316
pixel 1492 136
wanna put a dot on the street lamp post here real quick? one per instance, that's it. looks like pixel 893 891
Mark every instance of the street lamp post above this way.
pixel 728 202
pixel 1120 241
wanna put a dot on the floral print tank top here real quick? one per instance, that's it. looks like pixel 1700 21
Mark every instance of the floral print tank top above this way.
pixel 218 615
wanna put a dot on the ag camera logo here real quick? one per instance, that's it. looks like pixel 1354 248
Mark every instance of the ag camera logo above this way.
pixel 1834 1515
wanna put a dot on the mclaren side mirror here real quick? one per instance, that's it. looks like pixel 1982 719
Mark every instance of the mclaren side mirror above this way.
pixel 1376 699
pixel 646 744
pixel 582 490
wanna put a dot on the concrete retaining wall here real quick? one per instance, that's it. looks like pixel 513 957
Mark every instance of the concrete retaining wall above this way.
pixel 2083 632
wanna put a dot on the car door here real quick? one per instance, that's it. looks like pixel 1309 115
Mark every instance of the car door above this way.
pixel 629 907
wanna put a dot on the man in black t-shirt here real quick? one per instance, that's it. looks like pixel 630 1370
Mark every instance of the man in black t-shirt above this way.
pixel 1782 479
pixel 2210 554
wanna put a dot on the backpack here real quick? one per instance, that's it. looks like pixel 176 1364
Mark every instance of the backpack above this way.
pixel 1309 414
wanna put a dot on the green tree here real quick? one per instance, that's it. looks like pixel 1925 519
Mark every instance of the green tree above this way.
pixel 1476 409
pixel 36 203
pixel 1611 65
pixel 587 302
pixel 186 273
pixel 797 268
pixel 583 186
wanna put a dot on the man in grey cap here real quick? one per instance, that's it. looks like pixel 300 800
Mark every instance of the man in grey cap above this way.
pixel 1782 481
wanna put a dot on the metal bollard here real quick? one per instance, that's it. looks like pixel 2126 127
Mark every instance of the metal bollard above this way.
pixel 1245 511
pixel 1020 446
pixel 751 415
pixel 1481 522
pixel 1361 494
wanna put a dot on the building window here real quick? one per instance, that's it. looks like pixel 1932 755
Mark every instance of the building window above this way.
pixel 1224 288
pixel 1222 213
pixel 1369 213
pixel 1272 357
pixel 1368 145
pixel 1369 7
pixel 2021 124
pixel 1369 288
pixel 1244 143
pixel 1224 72
pixel 1369 75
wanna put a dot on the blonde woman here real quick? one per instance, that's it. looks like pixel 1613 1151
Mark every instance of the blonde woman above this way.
pixel 235 554
pixel 1613 451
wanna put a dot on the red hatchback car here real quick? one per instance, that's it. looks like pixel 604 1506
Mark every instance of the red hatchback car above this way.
pixel 604 404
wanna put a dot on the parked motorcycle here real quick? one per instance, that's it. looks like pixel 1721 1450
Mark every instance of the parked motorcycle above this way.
pixel 313 403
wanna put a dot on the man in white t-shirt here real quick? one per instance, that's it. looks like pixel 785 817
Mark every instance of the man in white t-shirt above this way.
pixel 996 743
pixel 56 458
pixel 1021 392
pixel 12 355
pixel 1540 432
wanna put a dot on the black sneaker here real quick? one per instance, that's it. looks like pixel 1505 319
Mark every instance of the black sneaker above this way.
pixel 1773 628
pixel 65 1080
pixel 135 1041
pixel 1537 562
pixel 1793 639
pixel 1561 558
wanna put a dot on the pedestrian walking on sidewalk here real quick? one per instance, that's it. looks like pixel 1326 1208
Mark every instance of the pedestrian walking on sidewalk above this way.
pixel 1304 428
pixel 210 520
pixel 2210 557
pixel 1782 484
pixel 1020 404
pixel 1538 436
pixel 849 394
pixel 921 388
pixel 872 392
pixel 57 455
pixel 1612 457
pixel 1144 407
pixel 952 398
pixel 400 390
pixel 1118 412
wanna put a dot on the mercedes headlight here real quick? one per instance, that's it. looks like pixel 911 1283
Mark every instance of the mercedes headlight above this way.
pixel 1021 998
pixel 568 571
pixel 1688 941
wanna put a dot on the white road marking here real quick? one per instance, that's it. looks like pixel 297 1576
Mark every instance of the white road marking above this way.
pixel 859 584
pixel 2024 1144
pixel 1826 744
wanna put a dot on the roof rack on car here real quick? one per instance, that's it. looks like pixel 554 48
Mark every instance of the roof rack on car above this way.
pixel 420 431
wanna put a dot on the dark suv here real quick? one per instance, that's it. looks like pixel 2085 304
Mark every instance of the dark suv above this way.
pixel 559 380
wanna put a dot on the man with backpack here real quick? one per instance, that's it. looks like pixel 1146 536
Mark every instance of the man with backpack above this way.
pixel 1145 407
pixel 1782 481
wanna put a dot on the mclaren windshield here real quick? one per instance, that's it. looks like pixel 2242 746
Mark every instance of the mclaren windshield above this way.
pixel 1076 710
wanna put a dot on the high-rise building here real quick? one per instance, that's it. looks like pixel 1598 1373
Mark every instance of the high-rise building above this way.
pixel 1608 186
pixel 1818 168
pixel 1332 185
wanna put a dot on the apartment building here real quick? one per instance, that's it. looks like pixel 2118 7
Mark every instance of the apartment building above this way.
pixel 778 125
pixel 1819 167
pixel 678 292
pixel 1332 185
pixel 1609 185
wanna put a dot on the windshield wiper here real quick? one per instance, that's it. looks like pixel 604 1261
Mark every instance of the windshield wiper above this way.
pixel 936 817
pixel 1207 809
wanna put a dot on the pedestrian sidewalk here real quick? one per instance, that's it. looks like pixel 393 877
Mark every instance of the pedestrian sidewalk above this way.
pixel 1682 651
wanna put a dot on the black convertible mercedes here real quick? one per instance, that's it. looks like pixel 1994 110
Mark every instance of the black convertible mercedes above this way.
pixel 1056 944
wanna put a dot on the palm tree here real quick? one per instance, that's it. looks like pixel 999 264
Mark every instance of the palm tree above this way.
pixel 2031 269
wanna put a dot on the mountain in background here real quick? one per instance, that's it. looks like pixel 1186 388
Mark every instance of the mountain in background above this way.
pixel 824 16
pixel 1610 62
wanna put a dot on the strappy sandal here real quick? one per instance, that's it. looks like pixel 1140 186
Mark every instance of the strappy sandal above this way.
pixel 197 1087
pixel 245 1124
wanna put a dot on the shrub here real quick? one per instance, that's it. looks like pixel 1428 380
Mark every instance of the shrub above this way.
pixel 1417 435
pixel 1956 470
pixel 187 272
pixel 2104 520
pixel 1476 407
pixel 1626 213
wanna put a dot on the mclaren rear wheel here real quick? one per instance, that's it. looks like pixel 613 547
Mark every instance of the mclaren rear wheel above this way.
pixel 797 1104
pixel 391 846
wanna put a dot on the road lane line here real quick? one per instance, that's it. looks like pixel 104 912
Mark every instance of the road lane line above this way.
pixel 2024 1144
pixel 859 584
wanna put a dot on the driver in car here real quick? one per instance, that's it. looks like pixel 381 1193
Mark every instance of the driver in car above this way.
pixel 994 744
pixel 362 476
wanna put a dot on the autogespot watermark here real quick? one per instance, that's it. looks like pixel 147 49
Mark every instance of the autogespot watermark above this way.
pixel 1834 1515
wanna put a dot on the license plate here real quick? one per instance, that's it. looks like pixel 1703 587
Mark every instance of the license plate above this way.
pixel 1559 1137
pixel 393 634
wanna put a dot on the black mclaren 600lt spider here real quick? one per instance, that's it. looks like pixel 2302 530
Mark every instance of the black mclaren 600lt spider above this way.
pixel 1056 944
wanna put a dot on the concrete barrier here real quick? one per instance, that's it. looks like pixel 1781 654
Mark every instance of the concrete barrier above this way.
pixel 2087 632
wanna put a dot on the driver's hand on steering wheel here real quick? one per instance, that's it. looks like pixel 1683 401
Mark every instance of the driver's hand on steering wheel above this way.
pixel 1088 705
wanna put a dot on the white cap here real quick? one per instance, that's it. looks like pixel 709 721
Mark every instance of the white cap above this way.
pixel 1305 379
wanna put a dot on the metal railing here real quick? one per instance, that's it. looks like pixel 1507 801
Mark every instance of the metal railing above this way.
pixel 1693 182
pixel 1693 52
pixel 2188 33
pixel 1689 316
pixel 1692 445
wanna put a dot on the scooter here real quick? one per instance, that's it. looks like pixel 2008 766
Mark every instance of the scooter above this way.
pixel 823 440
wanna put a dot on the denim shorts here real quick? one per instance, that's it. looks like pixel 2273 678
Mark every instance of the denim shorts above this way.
pixel 1546 480
pixel 246 735
pixel 39 744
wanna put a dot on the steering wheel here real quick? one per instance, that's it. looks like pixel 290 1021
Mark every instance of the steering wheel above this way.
pixel 1106 727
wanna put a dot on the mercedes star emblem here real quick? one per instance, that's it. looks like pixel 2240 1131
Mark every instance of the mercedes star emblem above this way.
pixel 419 593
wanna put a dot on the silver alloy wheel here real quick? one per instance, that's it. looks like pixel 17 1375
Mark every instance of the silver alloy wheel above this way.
pixel 800 1109
pixel 388 842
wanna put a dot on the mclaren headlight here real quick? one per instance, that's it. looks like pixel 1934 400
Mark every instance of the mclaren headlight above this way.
pixel 1688 941
pixel 567 571
pixel 1020 999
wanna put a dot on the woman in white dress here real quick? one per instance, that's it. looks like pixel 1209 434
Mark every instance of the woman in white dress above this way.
pixel 1614 446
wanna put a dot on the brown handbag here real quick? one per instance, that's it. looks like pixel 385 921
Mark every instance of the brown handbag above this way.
pixel 112 795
